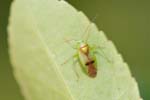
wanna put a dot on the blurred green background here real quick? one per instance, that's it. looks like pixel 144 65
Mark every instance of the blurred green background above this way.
pixel 125 22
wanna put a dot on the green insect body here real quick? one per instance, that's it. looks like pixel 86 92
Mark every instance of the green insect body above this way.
pixel 87 59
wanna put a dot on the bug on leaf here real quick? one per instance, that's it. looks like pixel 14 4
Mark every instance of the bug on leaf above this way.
pixel 87 59
pixel 86 55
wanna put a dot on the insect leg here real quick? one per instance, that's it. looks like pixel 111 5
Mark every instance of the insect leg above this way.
pixel 99 50
pixel 74 68
pixel 66 60
pixel 75 59
pixel 69 59
pixel 69 42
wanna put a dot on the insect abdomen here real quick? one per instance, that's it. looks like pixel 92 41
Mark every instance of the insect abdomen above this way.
pixel 88 64
pixel 92 71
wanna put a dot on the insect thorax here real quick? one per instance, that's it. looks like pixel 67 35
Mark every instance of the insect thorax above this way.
pixel 84 48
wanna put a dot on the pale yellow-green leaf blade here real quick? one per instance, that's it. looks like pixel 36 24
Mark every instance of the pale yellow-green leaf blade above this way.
pixel 37 30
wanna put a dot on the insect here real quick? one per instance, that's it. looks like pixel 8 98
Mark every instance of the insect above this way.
pixel 86 55
pixel 87 59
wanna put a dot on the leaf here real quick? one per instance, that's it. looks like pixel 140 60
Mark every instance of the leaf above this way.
pixel 37 30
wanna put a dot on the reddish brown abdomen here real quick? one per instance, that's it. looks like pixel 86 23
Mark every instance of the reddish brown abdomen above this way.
pixel 92 71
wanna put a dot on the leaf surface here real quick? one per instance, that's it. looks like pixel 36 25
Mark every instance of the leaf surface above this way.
pixel 37 30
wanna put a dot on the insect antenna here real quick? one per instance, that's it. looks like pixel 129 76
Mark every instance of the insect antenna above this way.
pixel 86 32
pixel 69 42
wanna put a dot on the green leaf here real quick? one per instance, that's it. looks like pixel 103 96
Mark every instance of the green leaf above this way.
pixel 37 30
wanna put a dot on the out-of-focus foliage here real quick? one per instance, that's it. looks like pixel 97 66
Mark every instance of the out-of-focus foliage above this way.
pixel 125 22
